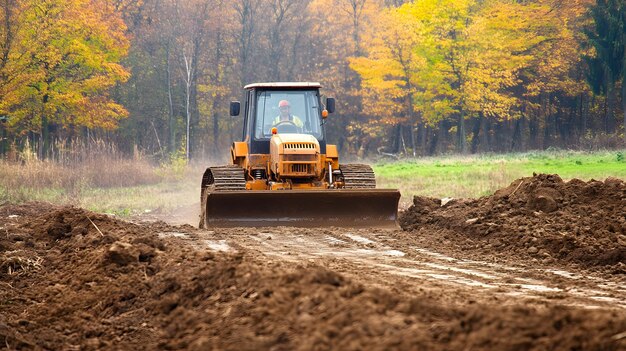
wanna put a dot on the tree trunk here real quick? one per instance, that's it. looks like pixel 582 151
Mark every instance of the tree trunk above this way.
pixel 292 67
pixel 44 143
pixel 276 43
pixel 624 94
pixel 442 137
pixel 486 135
pixel 423 132
pixel 413 140
pixel 395 140
pixel 401 141
pixel 432 148
pixel 410 110
pixel 461 132
pixel 610 95
pixel 585 115
pixel 171 136
pixel 516 140
pixel 581 118
pixel 545 123
pixel 247 11
pixel 3 141
pixel 547 140
pixel 195 113
pixel 568 130
pixel 357 8
pixel 187 109
pixel 476 134
pixel 217 97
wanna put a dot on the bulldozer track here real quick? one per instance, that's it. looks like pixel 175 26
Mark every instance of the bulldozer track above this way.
pixel 217 179
pixel 224 178
pixel 358 176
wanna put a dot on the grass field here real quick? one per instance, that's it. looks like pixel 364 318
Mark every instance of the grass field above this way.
pixel 475 176
pixel 128 188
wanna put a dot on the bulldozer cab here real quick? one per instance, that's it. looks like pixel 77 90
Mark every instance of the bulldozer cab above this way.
pixel 291 108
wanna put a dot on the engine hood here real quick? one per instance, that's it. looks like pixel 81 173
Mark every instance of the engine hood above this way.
pixel 294 138
pixel 294 143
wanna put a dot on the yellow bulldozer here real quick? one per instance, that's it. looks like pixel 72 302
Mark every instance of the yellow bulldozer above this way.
pixel 284 173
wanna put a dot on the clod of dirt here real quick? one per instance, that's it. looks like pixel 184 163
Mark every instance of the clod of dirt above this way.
pixel 58 229
pixel 543 203
pixel 544 197
pixel 122 254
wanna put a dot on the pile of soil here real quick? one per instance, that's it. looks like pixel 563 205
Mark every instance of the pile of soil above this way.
pixel 71 278
pixel 540 217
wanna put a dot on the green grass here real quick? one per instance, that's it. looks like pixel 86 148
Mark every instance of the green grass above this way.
pixel 475 176
pixel 25 193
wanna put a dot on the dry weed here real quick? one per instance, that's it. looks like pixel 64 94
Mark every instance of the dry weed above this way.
pixel 11 263
pixel 75 166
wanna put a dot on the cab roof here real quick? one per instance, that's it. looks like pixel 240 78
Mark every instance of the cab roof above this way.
pixel 284 85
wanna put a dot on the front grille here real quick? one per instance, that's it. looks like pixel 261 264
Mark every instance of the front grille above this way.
pixel 299 146
pixel 300 168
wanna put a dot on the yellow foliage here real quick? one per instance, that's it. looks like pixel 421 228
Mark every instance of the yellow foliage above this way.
pixel 438 58
pixel 65 56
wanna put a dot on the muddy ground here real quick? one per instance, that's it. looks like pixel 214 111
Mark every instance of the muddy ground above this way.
pixel 540 265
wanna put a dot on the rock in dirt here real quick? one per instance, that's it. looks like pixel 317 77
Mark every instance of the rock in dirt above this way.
pixel 471 220
pixel 446 200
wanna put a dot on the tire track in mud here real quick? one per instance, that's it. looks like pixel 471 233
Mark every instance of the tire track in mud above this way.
pixel 378 257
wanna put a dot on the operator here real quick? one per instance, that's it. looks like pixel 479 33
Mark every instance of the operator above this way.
pixel 285 115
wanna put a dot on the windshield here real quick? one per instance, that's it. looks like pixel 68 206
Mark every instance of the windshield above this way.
pixel 290 111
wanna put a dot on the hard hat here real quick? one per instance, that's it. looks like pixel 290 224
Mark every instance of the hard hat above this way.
pixel 283 103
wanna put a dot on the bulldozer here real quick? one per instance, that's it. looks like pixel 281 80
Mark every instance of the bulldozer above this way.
pixel 284 173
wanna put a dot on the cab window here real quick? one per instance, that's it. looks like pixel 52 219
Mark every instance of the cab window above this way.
pixel 289 111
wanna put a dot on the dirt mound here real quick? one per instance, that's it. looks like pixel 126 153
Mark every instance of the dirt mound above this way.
pixel 540 216
pixel 72 278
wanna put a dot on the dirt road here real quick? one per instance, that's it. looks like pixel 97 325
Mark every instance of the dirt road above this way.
pixel 392 259
pixel 528 268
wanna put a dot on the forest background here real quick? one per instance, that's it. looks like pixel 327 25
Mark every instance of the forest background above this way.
pixel 412 78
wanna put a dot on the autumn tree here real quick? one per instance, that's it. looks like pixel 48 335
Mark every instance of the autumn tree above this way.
pixel 390 74
pixel 340 26
pixel 13 61
pixel 69 52
pixel 455 60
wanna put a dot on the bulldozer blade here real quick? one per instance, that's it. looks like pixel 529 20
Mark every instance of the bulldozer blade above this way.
pixel 320 208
